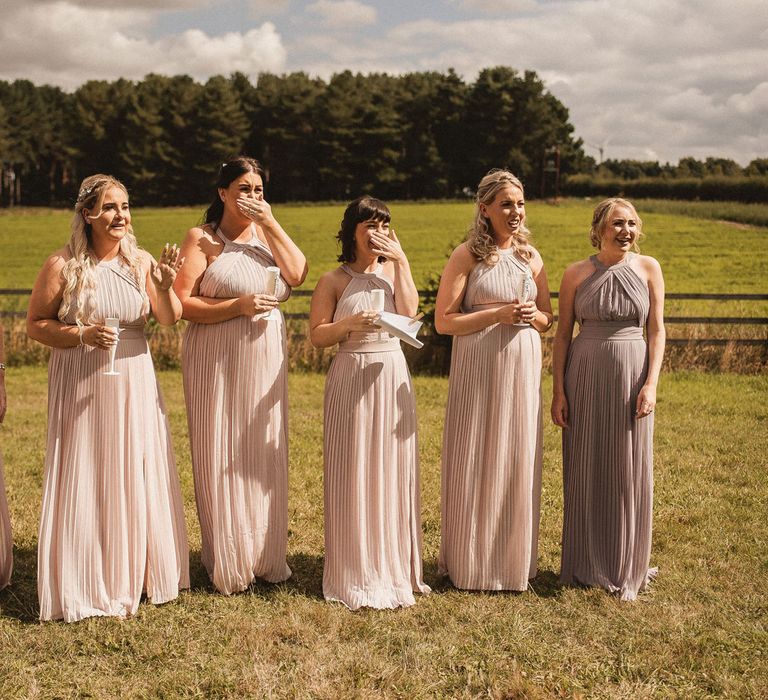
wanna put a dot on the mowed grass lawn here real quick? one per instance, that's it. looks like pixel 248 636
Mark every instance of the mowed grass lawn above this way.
pixel 699 632
pixel 697 254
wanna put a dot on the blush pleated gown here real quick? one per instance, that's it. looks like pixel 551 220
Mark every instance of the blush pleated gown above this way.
pixel 371 464
pixel 492 442
pixel 607 452
pixel 235 386
pixel 112 521
pixel 6 541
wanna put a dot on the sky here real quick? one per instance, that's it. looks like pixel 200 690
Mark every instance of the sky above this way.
pixel 642 79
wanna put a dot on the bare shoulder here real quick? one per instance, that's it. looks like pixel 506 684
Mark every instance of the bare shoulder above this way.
pixel 536 262
pixel 55 262
pixel 462 258
pixel 649 264
pixel 202 237
pixel 332 279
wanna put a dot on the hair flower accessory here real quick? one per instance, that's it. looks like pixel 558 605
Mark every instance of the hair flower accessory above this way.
pixel 85 192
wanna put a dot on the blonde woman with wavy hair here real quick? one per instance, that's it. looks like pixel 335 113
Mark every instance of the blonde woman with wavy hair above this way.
pixel 112 524
pixel 494 298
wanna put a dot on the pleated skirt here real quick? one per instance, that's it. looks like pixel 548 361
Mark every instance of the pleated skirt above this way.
pixel 236 392
pixel 491 460
pixel 112 522
pixel 607 467
pixel 372 513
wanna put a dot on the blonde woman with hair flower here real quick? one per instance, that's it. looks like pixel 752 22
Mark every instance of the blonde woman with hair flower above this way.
pixel 112 524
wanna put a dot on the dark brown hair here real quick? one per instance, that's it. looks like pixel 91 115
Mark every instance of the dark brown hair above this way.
pixel 364 208
pixel 228 173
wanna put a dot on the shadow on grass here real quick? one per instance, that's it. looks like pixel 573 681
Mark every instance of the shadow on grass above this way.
pixel 19 599
pixel 306 578
pixel 545 585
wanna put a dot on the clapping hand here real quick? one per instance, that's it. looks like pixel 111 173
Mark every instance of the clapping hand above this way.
pixel 164 272
pixel 387 246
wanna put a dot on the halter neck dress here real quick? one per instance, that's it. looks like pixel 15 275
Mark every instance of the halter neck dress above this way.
pixel 492 441
pixel 372 512
pixel 235 387
pixel 607 452
pixel 112 522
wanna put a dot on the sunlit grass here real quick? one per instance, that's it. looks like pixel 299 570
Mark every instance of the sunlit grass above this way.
pixel 700 632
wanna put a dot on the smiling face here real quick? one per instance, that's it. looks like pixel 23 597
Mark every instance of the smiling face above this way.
pixel 505 214
pixel 113 221
pixel 620 230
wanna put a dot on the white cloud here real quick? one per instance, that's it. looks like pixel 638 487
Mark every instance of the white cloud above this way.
pixel 343 13
pixel 659 77
pixel 66 45
pixel 155 5
pixel 497 6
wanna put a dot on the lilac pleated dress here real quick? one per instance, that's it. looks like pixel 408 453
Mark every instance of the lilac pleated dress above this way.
pixel 372 501
pixel 607 452
pixel 6 540
pixel 492 442
pixel 235 386
pixel 112 521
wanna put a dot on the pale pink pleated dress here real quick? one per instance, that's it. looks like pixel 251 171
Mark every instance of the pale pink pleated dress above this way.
pixel 492 442
pixel 371 464
pixel 6 541
pixel 607 452
pixel 235 385
pixel 112 521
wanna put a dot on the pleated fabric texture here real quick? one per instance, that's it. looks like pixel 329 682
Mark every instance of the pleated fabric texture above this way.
pixel 607 452
pixel 373 538
pixel 236 392
pixel 492 442
pixel 112 522
pixel 6 540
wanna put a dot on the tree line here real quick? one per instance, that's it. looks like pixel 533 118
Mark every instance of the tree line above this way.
pixel 412 136
pixel 417 135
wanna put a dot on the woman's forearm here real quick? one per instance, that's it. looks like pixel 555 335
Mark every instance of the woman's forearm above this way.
pixel 200 309
pixel 54 333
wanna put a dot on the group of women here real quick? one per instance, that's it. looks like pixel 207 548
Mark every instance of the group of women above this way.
pixel 112 525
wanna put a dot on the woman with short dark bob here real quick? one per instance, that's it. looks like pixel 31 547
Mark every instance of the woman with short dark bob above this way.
pixel 240 264
pixel 371 469
pixel 604 396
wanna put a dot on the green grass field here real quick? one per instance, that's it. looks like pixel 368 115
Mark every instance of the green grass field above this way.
pixel 699 633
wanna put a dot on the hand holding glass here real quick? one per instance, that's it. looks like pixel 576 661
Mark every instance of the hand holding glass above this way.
pixel 522 290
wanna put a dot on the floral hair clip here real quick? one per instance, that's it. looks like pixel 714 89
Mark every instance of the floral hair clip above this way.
pixel 85 192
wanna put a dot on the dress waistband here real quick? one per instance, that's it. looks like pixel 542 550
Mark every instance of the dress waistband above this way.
pixel 387 344
pixel 132 332
pixel 611 330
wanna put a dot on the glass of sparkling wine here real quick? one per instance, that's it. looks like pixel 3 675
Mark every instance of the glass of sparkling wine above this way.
pixel 377 304
pixel 271 288
pixel 112 322
pixel 523 289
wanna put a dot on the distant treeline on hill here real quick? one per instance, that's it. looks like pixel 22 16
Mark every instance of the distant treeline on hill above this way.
pixel 413 136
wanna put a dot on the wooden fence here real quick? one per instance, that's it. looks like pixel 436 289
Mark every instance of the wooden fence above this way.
pixel 683 320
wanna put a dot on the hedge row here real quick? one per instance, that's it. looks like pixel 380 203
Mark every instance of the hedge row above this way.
pixel 734 189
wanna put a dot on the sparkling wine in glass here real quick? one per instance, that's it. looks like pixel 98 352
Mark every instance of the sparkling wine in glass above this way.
pixel 112 322
pixel 377 303
pixel 523 289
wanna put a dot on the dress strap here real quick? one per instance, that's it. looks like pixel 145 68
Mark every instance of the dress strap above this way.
pixel 364 275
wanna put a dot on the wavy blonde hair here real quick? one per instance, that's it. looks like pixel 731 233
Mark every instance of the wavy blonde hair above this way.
pixel 79 272
pixel 602 215
pixel 480 240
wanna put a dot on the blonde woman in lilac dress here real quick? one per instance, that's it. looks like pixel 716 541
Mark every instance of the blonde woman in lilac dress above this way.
pixel 6 541
pixel 235 378
pixel 604 395
pixel 112 524
pixel 370 452
pixel 494 300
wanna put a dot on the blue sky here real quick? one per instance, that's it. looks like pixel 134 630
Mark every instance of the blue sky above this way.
pixel 650 79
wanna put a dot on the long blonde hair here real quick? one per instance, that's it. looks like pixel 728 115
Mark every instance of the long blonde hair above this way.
pixel 79 271
pixel 480 240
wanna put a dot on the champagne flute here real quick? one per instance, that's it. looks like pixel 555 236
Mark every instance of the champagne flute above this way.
pixel 113 322
pixel 523 289
pixel 272 274
pixel 377 304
